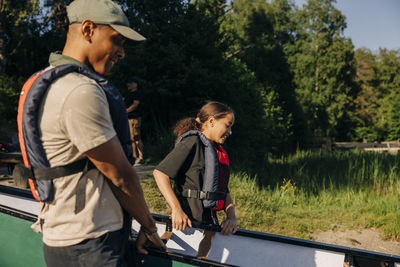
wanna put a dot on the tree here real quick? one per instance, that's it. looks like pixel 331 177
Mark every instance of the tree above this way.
pixel 254 40
pixel 322 62
pixel 13 18
pixel 366 102
pixel 388 73
pixel 178 67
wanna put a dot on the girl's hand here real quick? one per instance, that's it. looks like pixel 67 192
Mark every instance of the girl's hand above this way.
pixel 228 226
pixel 180 220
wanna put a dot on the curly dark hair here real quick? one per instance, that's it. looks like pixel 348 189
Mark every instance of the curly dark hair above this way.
pixel 60 14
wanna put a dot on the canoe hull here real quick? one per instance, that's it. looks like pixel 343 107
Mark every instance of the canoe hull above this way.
pixel 23 246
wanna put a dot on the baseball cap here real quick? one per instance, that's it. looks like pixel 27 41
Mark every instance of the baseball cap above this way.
pixel 102 12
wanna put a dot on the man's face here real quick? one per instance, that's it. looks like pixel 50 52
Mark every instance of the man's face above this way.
pixel 132 86
pixel 106 50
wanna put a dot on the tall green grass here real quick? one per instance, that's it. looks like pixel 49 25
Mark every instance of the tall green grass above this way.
pixel 317 171
pixel 294 212
pixel 313 191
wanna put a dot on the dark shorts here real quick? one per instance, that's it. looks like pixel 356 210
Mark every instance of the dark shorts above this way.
pixel 106 250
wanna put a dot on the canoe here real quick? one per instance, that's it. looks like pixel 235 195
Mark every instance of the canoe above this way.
pixel 20 246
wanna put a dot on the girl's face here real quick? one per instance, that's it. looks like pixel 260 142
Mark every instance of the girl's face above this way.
pixel 218 130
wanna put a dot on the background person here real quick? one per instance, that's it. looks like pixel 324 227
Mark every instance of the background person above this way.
pixel 134 109
pixel 186 165
pixel 76 122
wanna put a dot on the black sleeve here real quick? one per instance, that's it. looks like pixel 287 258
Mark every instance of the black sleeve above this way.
pixel 128 101
pixel 173 162
pixel 136 96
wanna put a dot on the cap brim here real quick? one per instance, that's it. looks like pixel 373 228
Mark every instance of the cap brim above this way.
pixel 128 32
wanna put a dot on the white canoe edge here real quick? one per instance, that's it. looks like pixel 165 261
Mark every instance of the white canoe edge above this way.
pixel 247 251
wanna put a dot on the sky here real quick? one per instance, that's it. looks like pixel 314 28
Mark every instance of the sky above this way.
pixel 372 24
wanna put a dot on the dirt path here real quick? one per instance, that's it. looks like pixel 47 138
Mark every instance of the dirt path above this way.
pixel 368 239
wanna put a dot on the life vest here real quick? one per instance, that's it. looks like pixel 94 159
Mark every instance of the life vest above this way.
pixel 38 168
pixel 216 174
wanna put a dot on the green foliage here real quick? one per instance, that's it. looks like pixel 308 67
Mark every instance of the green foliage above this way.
pixel 288 72
pixel 366 102
pixel 16 19
pixel 9 93
pixel 251 39
pixel 17 12
pixel 378 100
pixel 388 69
pixel 322 62
pixel 178 68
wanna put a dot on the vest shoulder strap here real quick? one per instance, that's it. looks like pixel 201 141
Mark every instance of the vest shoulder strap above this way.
pixel 209 192
pixel 35 159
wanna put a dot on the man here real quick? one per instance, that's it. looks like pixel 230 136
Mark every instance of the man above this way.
pixel 75 122
pixel 134 109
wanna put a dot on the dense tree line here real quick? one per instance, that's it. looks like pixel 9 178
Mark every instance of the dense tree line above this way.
pixel 288 72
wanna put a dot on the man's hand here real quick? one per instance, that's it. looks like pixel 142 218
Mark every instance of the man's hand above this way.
pixel 145 238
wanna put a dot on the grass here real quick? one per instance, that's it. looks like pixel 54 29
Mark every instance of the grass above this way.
pixel 307 192
pixel 296 213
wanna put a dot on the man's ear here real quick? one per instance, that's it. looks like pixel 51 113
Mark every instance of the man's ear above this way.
pixel 87 29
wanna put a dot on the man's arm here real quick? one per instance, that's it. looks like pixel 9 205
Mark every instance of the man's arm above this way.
pixel 110 159
pixel 134 105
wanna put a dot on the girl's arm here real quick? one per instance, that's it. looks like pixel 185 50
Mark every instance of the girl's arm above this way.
pixel 228 226
pixel 179 219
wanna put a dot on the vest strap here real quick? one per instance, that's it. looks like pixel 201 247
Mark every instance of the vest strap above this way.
pixel 50 173
pixel 80 194
pixel 56 172
pixel 203 195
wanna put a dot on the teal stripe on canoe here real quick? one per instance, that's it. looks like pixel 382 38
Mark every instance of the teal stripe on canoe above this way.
pixel 19 244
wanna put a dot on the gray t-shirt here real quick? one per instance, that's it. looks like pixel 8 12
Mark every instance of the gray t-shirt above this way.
pixel 74 118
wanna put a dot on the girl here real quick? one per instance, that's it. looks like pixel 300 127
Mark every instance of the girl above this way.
pixel 198 161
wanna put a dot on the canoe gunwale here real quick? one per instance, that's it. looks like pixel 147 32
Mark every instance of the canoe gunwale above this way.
pixel 299 242
pixel 18 213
